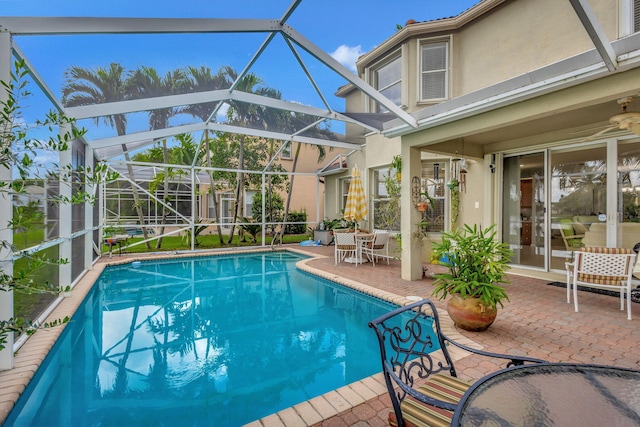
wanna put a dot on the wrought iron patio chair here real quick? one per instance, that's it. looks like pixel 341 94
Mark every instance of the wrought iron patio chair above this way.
pixel 602 268
pixel 418 369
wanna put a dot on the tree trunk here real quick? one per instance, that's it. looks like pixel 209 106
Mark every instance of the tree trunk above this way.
pixel 239 188
pixel 136 196
pixel 214 196
pixel 165 191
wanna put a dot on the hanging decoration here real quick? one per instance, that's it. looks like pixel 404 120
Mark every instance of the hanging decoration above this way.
pixel 463 175
pixel 416 189
pixel 454 187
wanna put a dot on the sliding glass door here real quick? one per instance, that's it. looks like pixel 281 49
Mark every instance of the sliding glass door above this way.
pixel 628 206
pixel 578 199
pixel 523 208
pixel 588 195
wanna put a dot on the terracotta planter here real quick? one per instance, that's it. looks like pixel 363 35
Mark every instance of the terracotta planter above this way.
pixel 469 314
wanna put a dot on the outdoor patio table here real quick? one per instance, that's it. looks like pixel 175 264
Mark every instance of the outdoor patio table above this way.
pixel 363 239
pixel 554 394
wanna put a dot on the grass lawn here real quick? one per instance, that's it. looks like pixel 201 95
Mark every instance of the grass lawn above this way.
pixel 30 306
pixel 209 241
pixel 29 238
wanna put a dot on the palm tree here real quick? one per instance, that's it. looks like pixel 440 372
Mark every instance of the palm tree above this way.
pixel 250 116
pixel 147 83
pixel 87 87
pixel 201 80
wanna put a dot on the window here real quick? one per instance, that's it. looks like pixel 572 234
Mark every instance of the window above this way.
pixel 248 203
pixel 433 182
pixel 386 200
pixel 434 58
pixel 286 152
pixel 629 17
pixel 344 192
pixel 227 201
pixel 387 79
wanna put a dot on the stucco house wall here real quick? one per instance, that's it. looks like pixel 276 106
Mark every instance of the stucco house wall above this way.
pixel 523 75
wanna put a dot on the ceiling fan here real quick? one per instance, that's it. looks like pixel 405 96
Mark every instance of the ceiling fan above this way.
pixel 627 120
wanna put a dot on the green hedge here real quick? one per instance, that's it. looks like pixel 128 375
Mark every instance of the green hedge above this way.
pixel 296 228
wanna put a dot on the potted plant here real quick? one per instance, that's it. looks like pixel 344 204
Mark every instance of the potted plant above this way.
pixel 477 265
pixel 425 202
pixel 396 163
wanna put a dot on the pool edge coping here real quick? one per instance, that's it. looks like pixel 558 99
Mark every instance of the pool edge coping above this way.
pixel 32 353
pixel 332 403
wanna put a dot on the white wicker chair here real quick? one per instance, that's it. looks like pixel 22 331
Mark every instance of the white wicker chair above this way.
pixel 602 268
pixel 345 244
pixel 380 247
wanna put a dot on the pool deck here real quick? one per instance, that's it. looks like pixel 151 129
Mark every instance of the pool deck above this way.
pixel 536 322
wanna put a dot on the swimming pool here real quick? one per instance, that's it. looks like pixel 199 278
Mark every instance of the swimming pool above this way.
pixel 220 340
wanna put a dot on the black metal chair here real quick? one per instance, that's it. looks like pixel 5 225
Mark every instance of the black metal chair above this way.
pixel 418 370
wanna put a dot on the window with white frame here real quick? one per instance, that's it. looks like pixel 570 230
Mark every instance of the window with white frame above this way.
pixel 286 152
pixel 433 183
pixel 434 65
pixel 227 201
pixel 387 79
pixel 385 200
pixel 248 203
pixel 344 192
pixel 629 17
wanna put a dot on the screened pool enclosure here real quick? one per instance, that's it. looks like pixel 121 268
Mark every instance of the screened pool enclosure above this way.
pixel 169 147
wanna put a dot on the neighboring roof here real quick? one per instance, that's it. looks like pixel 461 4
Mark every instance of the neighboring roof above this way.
pixel 335 166
pixel 148 173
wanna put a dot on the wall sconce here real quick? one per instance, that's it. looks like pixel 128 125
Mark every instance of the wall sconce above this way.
pixel 492 166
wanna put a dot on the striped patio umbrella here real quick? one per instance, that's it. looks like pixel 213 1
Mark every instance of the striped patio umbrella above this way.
pixel 356 207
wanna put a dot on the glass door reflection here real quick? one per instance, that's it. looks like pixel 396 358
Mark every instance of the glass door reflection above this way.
pixel 524 208
pixel 578 200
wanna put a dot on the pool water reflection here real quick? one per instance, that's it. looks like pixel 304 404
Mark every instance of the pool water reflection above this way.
pixel 202 341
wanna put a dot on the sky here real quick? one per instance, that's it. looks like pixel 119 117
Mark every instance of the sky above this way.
pixel 344 29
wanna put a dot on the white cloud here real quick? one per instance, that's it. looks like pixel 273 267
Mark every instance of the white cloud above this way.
pixel 347 56
pixel 221 115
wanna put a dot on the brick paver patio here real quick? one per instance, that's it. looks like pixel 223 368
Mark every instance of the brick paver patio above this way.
pixel 536 322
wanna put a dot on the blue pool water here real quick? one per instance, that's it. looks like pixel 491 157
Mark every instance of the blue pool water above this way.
pixel 203 341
